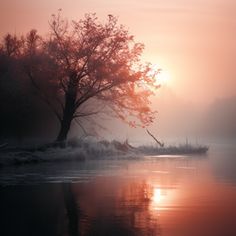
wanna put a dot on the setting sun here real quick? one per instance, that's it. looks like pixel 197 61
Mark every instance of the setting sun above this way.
pixel 163 77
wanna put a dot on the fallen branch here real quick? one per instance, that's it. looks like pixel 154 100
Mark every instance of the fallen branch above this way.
pixel 158 142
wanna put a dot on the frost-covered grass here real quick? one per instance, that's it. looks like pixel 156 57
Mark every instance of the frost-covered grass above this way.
pixel 74 150
pixel 174 150
pixel 87 149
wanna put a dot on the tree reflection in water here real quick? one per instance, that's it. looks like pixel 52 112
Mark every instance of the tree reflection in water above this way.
pixel 72 209
pixel 105 206
pixel 112 209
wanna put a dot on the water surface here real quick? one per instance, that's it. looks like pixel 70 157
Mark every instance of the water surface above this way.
pixel 169 196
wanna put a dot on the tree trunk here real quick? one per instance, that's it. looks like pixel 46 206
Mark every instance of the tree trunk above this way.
pixel 64 130
pixel 69 110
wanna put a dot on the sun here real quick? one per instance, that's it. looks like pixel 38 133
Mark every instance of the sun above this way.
pixel 163 77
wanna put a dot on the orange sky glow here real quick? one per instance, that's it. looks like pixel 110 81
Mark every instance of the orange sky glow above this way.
pixel 193 41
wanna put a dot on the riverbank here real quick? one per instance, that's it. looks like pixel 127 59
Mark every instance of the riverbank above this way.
pixel 81 150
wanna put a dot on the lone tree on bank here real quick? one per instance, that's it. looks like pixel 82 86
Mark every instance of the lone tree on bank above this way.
pixel 89 62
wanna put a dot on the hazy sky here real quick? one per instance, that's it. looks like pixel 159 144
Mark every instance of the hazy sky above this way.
pixel 194 40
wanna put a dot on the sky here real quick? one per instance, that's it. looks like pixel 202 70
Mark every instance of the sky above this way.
pixel 193 41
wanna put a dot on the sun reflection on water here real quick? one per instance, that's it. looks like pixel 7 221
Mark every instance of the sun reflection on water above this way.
pixel 163 198
pixel 157 197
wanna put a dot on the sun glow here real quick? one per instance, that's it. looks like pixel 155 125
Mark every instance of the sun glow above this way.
pixel 161 76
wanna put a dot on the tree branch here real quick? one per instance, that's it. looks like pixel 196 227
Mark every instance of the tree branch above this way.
pixel 42 95
pixel 158 142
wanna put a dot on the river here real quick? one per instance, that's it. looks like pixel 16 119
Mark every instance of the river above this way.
pixel 168 195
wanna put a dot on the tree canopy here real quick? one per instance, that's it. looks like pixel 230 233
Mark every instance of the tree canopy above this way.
pixel 83 68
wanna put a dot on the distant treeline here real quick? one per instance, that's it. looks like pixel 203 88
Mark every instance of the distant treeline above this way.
pixel 23 113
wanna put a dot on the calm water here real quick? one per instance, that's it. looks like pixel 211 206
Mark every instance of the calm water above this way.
pixel 169 196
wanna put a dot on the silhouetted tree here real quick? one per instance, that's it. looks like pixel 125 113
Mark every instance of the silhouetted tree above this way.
pixel 99 61
pixel 83 63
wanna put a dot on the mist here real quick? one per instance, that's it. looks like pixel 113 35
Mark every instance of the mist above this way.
pixel 179 120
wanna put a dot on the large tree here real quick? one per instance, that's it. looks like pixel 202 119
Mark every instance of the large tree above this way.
pixel 86 63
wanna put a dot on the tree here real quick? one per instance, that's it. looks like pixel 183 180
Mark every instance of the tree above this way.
pixel 87 62
pixel 99 61
pixel 23 114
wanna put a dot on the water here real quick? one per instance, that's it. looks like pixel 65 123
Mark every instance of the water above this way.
pixel 169 196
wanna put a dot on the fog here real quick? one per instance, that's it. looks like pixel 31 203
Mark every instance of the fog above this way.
pixel 179 120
